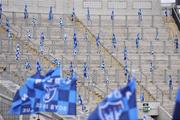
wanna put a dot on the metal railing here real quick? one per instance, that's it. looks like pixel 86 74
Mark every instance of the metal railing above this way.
pixel 49 57
pixel 5 103
pixel 176 17
pixel 107 54
pixel 105 50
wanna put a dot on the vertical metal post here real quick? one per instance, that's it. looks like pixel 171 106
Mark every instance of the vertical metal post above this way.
pixel 140 76
pixel 126 21
pixel 165 75
pixel 131 66
pixel 154 60
pixel 39 18
pixel 34 33
pixel 117 77
pixel 169 61
pixel 127 34
pixel 88 47
pixel 178 75
pixel 162 98
pixel 53 45
pixel 100 60
pixel 88 59
pixel 152 21
pixel 1 46
pixel 150 47
pixel 48 33
pixel 75 62
pixel 111 61
pixel 164 47
pixel 94 78
pixel 8 67
pixel 139 61
pixel 14 18
pixel 152 76
pixel 157 93
pixel 9 46
pixel 142 33
pixel 62 63
pixel 99 23
pixel 146 84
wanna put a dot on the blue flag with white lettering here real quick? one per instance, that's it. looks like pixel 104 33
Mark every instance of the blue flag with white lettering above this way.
pixel 51 93
pixel 119 105
pixel 176 115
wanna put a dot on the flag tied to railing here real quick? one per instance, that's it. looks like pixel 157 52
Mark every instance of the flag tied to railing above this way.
pixel 49 93
pixel 119 105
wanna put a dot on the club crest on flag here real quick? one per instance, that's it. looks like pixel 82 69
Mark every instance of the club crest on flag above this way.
pixel 50 93
pixel 111 110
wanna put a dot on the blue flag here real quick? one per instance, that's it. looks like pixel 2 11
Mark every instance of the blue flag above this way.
pixel 176 115
pixel 25 12
pixel 119 105
pixel 0 12
pixel 50 93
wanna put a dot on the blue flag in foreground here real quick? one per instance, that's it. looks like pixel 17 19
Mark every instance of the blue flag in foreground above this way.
pixel 176 115
pixel 50 93
pixel 119 105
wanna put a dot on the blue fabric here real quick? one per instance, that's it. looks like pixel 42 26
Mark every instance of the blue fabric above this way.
pixel 119 105
pixel 17 52
pixel 0 10
pixel 49 93
pixel 25 12
pixel 75 41
pixel 176 115
pixel 50 15
pixel 98 40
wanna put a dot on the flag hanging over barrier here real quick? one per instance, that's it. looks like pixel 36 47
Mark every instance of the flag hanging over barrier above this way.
pixel 49 93
pixel 119 105
pixel 176 115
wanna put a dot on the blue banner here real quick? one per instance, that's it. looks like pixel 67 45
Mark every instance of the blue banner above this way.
pixel 50 93
pixel 176 115
pixel 119 105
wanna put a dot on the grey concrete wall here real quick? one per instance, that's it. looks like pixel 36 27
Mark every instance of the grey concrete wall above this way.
pixel 164 115
pixel 121 7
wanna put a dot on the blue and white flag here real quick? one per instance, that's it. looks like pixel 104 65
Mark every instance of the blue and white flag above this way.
pixel 125 53
pixel 137 40
pixel 119 105
pixel 38 67
pixel 42 42
pixel 176 115
pixel 85 70
pixel 75 44
pixel 114 40
pixel 50 93
pixel 17 52
pixel 25 12
pixel 50 16
pixel 112 15
pixel 7 25
pixel 28 64
pixel 0 11
pixel 88 14
pixel 98 41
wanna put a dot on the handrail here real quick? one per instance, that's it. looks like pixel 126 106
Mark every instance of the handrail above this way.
pixel 117 61
pixel 10 99
pixel 102 47
pixel 46 13
pixel 56 14
pixel 45 56
pixel 94 36
pixel 176 17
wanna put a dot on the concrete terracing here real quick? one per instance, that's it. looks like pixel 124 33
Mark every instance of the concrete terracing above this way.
pixel 126 27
